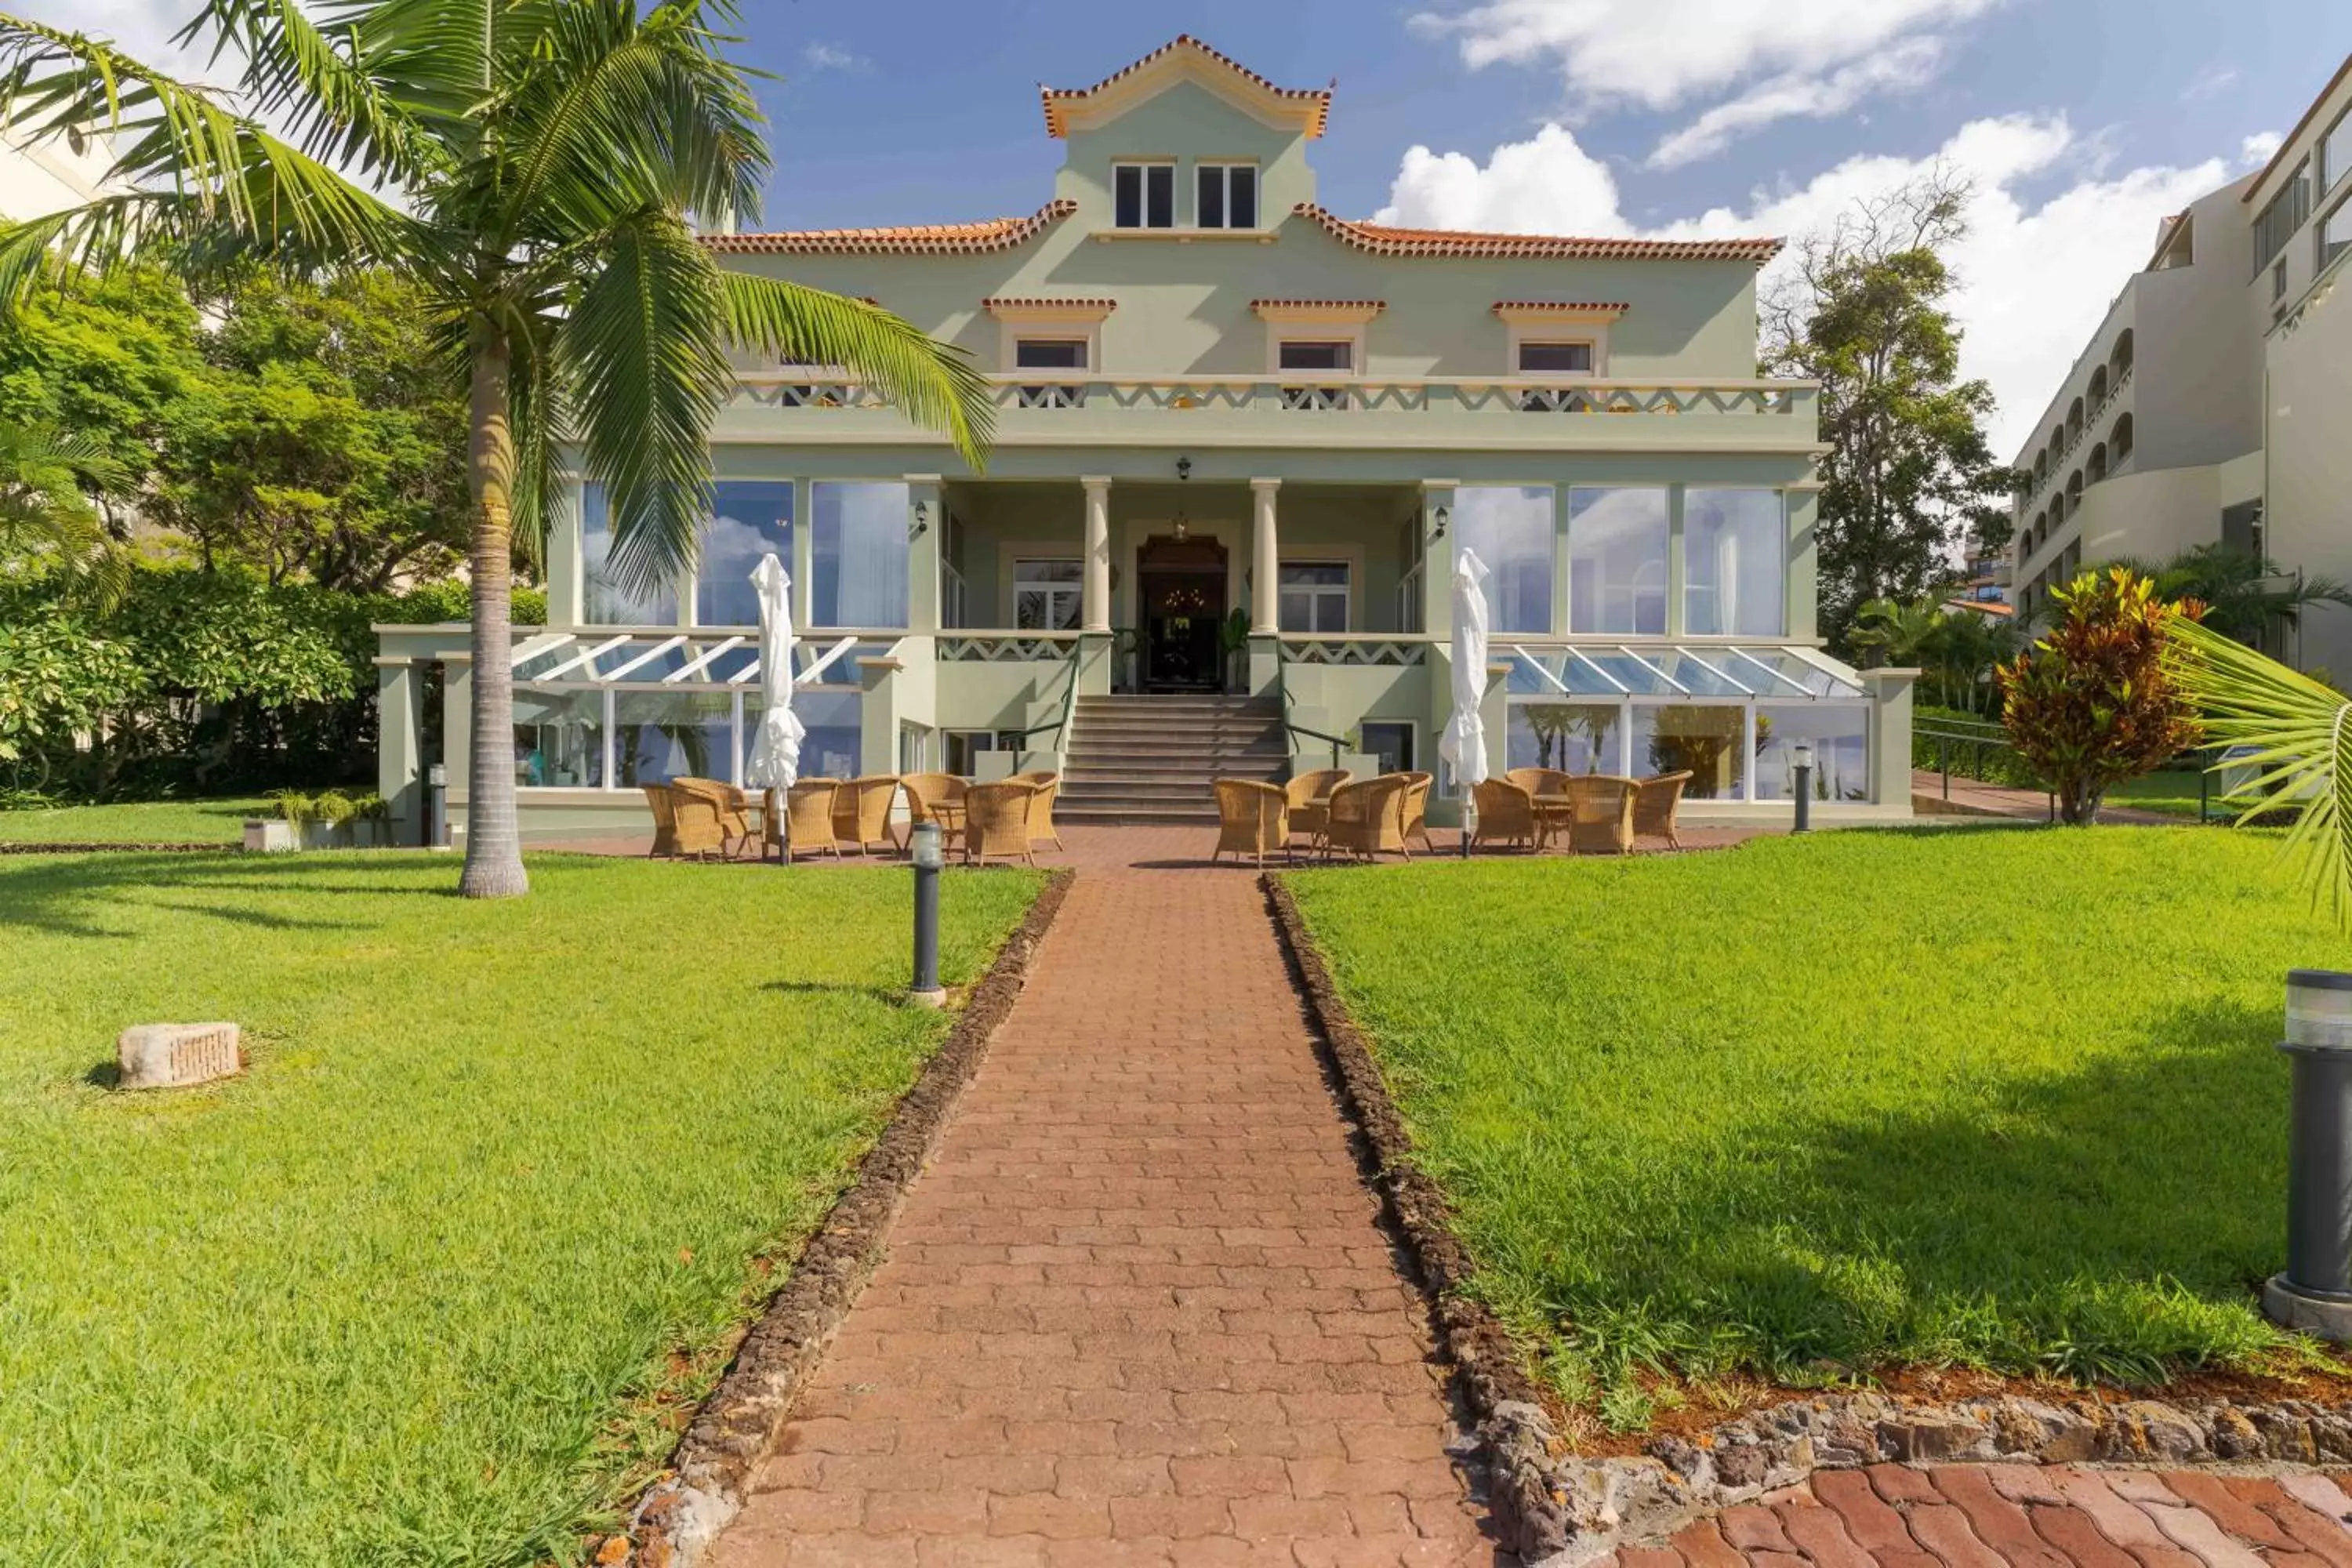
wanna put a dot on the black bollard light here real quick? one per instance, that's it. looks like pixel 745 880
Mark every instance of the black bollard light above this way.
pixel 1803 751
pixel 925 849
pixel 437 806
pixel 2315 1291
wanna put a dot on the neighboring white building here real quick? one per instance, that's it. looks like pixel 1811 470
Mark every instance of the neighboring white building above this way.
pixel 2214 402
pixel 39 177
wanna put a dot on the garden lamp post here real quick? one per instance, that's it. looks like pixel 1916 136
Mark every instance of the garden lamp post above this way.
pixel 437 806
pixel 924 847
pixel 1803 751
pixel 2315 1291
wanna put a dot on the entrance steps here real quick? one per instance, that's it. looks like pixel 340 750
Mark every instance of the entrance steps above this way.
pixel 1151 758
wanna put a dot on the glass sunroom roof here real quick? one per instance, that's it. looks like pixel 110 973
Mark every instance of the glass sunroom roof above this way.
pixel 1675 671
pixel 684 661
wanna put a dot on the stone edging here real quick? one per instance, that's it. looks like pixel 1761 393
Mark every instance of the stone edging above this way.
pixel 1555 1507
pixel 738 1424
pixel 93 846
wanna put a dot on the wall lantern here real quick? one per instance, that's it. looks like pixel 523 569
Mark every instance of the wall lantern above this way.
pixel 1442 517
pixel 1184 468
pixel 922 521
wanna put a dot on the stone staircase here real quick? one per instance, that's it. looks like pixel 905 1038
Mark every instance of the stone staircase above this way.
pixel 1136 759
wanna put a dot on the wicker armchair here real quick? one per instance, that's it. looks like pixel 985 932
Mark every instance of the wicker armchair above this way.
pixel 996 820
pixel 1655 801
pixel 925 793
pixel 808 817
pixel 1506 814
pixel 657 801
pixel 1252 819
pixel 1303 792
pixel 699 820
pixel 1416 810
pixel 861 811
pixel 1041 807
pixel 1601 815
pixel 1368 817
pixel 734 809
pixel 1552 816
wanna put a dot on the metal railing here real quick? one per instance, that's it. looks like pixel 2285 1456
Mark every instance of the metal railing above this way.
pixel 1059 725
pixel 1291 731
pixel 1973 739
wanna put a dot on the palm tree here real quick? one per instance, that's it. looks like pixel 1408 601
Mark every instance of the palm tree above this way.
pixel 1957 648
pixel 48 522
pixel 2300 731
pixel 2246 595
pixel 535 166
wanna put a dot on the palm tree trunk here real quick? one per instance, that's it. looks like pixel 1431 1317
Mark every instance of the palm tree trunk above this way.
pixel 493 841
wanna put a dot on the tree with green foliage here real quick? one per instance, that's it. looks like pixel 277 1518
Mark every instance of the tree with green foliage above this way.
pixel 551 157
pixel 1908 473
pixel 2092 702
pixel 2246 595
pixel 48 520
pixel 1955 651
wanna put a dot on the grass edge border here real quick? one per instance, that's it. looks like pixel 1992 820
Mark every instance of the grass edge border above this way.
pixel 736 1424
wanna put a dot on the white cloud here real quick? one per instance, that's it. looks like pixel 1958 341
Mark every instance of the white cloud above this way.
pixel 830 58
pixel 1788 57
pixel 2260 148
pixel 2035 276
pixel 1912 63
pixel 2210 82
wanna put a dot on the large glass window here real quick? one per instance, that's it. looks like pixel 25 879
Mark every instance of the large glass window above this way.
pixel 1840 734
pixel 1617 561
pixel 1732 555
pixel 833 720
pixel 1047 595
pixel 2335 152
pixel 1510 527
pixel 608 603
pixel 2336 233
pixel 1144 195
pixel 1573 737
pixel 1227 197
pixel 1708 741
pixel 1391 741
pixel 559 737
pixel 658 736
pixel 749 520
pixel 2282 215
pixel 859 554
pixel 1314 597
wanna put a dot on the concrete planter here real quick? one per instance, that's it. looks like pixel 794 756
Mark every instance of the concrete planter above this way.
pixel 269 835
pixel 272 836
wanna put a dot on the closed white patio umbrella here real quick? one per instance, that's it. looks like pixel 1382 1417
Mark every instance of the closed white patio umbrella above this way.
pixel 774 761
pixel 1464 744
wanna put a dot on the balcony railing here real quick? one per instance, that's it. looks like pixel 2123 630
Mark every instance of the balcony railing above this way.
pixel 1369 410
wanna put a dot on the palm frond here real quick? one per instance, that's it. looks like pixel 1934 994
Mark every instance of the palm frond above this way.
pixel 648 368
pixel 308 77
pixel 934 384
pixel 2299 735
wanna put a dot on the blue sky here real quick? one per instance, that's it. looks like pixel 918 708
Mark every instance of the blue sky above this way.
pixel 2081 123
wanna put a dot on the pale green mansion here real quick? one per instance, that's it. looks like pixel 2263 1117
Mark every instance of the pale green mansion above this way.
pixel 1217 400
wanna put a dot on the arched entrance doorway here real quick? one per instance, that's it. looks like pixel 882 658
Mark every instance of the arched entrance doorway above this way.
pixel 1180 592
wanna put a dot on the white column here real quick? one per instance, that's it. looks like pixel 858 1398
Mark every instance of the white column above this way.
pixel 1265 559
pixel 1093 597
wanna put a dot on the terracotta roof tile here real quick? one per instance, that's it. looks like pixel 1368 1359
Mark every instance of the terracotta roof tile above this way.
pixel 909 239
pixel 1011 302
pixel 1055 98
pixel 1384 240
pixel 1369 307
pixel 1562 307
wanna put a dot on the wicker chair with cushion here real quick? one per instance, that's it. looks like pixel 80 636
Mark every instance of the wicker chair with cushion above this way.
pixel 808 818
pixel 1506 814
pixel 699 820
pixel 734 806
pixel 925 793
pixel 1552 816
pixel 1601 815
pixel 1654 804
pixel 861 811
pixel 996 820
pixel 1041 807
pixel 1304 791
pixel 1416 810
pixel 1252 819
pixel 657 801
pixel 1368 817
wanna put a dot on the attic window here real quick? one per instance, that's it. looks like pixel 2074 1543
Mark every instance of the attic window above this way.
pixel 1571 357
pixel 1226 196
pixel 1144 195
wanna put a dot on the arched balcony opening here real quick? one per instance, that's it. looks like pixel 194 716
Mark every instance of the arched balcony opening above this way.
pixel 2120 361
pixel 2073 492
pixel 2041 467
pixel 2074 419
pixel 2097 468
pixel 2098 386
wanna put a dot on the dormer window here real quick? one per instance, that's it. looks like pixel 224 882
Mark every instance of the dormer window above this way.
pixel 1225 196
pixel 1316 354
pixel 1049 353
pixel 1560 357
pixel 1144 195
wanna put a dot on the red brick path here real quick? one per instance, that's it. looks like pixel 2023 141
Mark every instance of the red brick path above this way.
pixel 1981 1516
pixel 1138 1310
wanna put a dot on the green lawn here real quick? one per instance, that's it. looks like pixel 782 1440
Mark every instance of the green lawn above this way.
pixel 136 822
pixel 1995 1097
pixel 2173 793
pixel 502 1179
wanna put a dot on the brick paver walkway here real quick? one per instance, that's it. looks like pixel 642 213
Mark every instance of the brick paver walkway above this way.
pixel 1979 1516
pixel 1138 1310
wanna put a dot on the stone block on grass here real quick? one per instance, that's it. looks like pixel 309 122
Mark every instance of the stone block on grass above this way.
pixel 174 1056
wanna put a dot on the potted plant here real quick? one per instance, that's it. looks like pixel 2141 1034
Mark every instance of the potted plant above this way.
pixel 1233 649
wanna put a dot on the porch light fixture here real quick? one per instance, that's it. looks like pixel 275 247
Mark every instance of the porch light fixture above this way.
pixel 1182 524
pixel 1183 469
pixel 1442 515
pixel 922 521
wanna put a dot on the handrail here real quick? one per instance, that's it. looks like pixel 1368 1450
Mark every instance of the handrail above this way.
pixel 1982 734
pixel 1069 694
pixel 1290 731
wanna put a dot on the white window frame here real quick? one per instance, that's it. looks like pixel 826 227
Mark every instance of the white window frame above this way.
pixel 1519 346
pixel 1084 341
pixel 2343 208
pixel 1073 590
pixel 1143 187
pixel 1309 322
pixel 1534 322
pixel 1344 591
pixel 1222 168
pixel 1061 320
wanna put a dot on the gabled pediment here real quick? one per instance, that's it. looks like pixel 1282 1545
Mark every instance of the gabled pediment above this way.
pixel 1186 60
